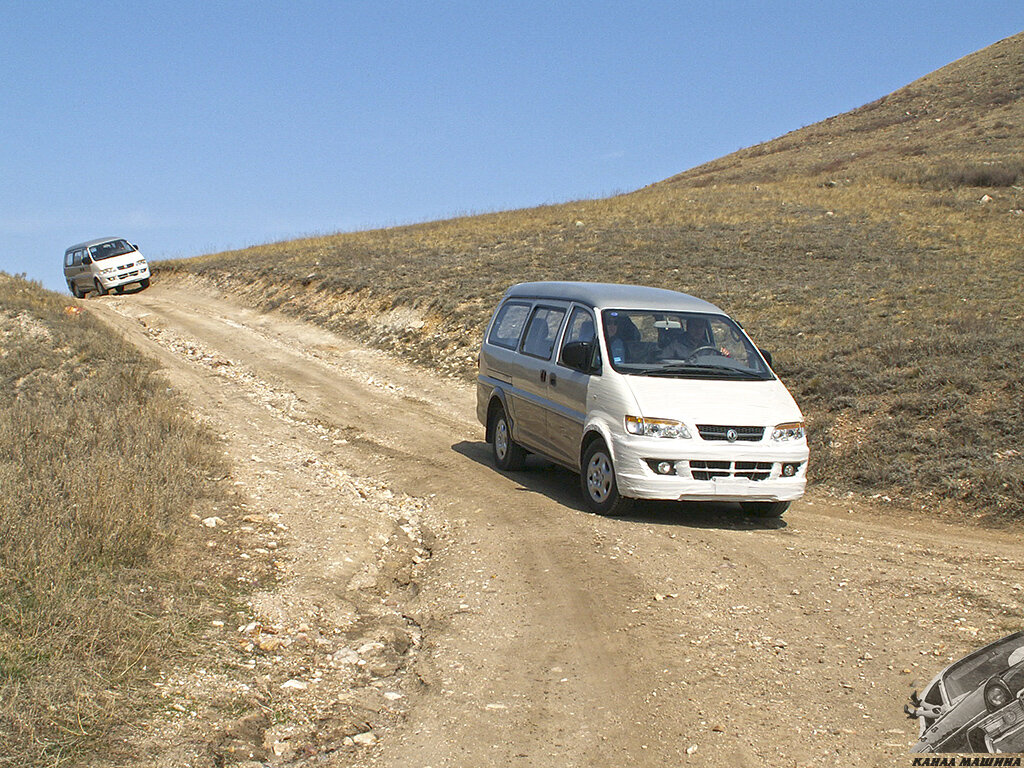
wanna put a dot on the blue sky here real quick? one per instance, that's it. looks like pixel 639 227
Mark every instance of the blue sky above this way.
pixel 193 127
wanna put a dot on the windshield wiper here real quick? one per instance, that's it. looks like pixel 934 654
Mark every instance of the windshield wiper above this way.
pixel 698 369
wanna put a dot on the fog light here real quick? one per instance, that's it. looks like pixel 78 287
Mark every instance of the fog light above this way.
pixel 666 467
pixel 788 470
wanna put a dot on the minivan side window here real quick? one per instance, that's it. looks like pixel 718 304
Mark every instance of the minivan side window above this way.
pixel 541 332
pixel 508 325
pixel 78 257
pixel 68 259
pixel 580 328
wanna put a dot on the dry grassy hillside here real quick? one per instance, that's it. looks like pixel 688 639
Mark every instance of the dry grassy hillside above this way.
pixel 101 582
pixel 876 253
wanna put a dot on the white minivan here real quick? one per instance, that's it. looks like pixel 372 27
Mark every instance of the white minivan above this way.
pixel 647 393
pixel 104 264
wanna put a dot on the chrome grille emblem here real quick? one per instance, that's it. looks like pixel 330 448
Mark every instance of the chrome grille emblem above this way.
pixel 731 435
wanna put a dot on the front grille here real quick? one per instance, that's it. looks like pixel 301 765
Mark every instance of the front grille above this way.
pixel 717 432
pixel 123 275
pixel 752 470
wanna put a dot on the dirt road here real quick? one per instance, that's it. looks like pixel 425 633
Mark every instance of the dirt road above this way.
pixel 432 611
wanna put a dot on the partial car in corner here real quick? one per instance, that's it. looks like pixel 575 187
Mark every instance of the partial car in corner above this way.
pixel 976 704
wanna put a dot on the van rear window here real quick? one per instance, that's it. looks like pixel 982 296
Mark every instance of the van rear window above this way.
pixel 508 325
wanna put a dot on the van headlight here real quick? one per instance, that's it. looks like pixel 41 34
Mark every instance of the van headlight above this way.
pixel 108 271
pixel 638 425
pixel 792 430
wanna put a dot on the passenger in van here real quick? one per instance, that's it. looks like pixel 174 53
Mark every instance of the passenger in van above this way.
pixel 613 335
pixel 539 338
pixel 581 329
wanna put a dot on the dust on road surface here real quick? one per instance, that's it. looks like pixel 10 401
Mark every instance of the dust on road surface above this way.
pixel 431 611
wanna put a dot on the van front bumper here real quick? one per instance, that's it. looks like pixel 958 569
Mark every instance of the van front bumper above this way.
pixel 132 274
pixel 702 472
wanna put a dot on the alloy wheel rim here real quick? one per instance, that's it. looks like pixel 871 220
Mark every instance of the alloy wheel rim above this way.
pixel 501 439
pixel 599 478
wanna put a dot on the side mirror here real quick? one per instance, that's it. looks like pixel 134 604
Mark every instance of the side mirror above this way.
pixel 133 246
pixel 579 355
pixel 87 260
pixel 766 355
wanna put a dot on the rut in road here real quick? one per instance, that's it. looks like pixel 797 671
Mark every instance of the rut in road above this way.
pixel 535 633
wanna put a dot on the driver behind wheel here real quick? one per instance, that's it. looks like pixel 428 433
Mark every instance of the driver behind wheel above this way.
pixel 679 344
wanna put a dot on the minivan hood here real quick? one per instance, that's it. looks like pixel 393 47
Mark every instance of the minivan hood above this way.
pixel 714 401
pixel 120 261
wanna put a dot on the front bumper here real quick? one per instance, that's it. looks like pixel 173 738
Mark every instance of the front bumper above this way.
pixel 702 471
pixel 129 274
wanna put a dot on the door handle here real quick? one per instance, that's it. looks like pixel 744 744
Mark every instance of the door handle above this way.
pixel 543 376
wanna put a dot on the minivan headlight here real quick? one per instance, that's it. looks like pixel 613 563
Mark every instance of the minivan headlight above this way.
pixel 638 425
pixel 108 271
pixel 792 430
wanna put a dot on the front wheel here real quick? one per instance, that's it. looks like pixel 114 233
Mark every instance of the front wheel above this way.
pixel 100 290
pixel 508 454
pixel 765 508
pixel 597 481
pixel 144 283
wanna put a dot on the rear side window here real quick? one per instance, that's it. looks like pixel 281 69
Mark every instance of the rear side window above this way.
pixel 542 331
pixel 67 259
pixel 508 325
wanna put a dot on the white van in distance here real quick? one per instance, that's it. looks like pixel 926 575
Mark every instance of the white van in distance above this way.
pixel 102 265
pixel 647 393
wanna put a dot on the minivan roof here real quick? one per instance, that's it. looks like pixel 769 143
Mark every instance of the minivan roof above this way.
pixel 613 296
pixel 89 243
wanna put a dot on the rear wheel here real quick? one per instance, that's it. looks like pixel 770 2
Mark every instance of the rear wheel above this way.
pixel 597 481
pixel 765 508
pixel 508 454
pixel 74 290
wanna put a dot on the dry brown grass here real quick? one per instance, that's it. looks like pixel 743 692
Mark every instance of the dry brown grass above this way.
pixel 858 250
pixel 100 582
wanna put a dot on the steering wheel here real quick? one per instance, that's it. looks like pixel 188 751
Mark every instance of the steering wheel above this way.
pixel 702 351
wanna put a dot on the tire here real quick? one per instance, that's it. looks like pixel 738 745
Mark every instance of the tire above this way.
pixel 508 454
pixel 597 481
pixel 100 290
pixel 74 290
pixel 765 508
pixel 144 284
pixel 119 290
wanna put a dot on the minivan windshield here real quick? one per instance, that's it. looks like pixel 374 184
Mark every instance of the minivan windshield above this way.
pixel 110 248
pixel 680 344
